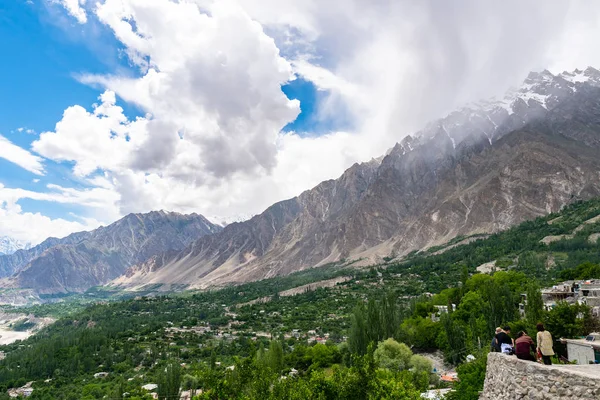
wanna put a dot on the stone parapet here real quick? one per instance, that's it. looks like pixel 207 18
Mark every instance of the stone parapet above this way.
pixel 507 377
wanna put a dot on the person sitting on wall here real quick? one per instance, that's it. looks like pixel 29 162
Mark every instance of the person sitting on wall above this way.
pixel 495 347
pixel 544 344
pixel 504 340
pixel 524 346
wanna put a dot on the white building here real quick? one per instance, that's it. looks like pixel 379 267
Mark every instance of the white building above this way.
pixel 584 351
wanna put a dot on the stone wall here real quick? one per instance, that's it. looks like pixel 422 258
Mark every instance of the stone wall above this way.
pixel 507 377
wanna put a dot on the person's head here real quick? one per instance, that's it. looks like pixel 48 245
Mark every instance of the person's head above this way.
pixel 498 330
pixel 540 327
pixel 506 329
pixel 521 333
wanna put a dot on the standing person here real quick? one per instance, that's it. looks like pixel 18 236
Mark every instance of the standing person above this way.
pixel 495 347
pixel 524 346
pixel 544 344
pixel 504 340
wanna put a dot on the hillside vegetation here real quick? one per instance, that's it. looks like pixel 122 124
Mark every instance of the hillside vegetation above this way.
pixel 328 342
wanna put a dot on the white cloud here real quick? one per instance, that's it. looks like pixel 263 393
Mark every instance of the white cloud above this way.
pixel 18 225
pixel 100 139
pixel 210 86
pixel 20 157
pixel 98 197
pixel 35 227
pixel 74 7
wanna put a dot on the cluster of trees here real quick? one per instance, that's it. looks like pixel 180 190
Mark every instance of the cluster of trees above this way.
pixel 373 323
pixel 482 303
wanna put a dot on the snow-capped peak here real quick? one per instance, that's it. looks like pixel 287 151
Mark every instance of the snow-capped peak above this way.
pixel 224 221
pixel 9 245
pixel 539 93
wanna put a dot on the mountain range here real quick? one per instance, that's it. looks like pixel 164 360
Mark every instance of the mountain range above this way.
pixel 480 169
pixel 85 259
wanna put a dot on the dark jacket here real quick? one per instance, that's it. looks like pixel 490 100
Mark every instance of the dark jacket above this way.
pixel 523 348
pixel 502 338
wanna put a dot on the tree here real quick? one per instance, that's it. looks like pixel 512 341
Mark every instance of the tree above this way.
pixel 562 321
pixel 261 356
pixel 471 304
pixel 534 309
pixel 275 356
pixel 357 339
pixel 374 332
pixel 393 355
pixel 213 360
pixel 471 378
pixel 421 364
pixel 190 382
pixel 169 382
pixel 455 339
pixel 389 316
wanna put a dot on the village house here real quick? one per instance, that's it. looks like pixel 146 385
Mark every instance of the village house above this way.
pixel 584 351
pixel 574 292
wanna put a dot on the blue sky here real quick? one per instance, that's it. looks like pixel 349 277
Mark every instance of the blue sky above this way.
pixel 47 50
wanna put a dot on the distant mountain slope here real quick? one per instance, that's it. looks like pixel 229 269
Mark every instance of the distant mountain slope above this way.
pixel 9 245
pixel 86 259
pixel 480 169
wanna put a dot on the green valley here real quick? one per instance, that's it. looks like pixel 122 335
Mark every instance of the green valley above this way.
pixel 329 338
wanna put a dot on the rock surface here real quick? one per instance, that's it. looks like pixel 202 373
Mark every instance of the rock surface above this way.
pixel 507 377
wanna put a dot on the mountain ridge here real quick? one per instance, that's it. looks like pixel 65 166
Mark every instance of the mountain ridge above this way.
pixel 520 158
pixel 85 259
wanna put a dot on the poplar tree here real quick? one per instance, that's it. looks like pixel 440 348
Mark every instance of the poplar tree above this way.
pixel 534 309
pixel 358 340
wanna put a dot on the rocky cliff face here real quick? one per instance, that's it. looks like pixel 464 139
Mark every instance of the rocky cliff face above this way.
pixel 480 169
pixel 86 259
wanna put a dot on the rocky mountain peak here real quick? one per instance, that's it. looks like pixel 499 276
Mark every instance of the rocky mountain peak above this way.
pixel 491 118
pixel 9 245
pixel 86 259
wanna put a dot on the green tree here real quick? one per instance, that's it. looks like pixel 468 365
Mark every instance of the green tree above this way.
pixel 534 309
pixel 421 364
pixel 471 377
pixel 562 321
pixel 393 355
pixel 169 382
pixel 357 338
pixel 389 316
pixel 374 325
pixel 455 339
pixel 190 382
pixel 213 359
pixel 275 356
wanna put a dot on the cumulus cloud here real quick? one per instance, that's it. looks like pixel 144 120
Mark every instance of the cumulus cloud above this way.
pixel 17 224
pixel 21 157
pixel 210 76
pixel 75 8
pixel 35 227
